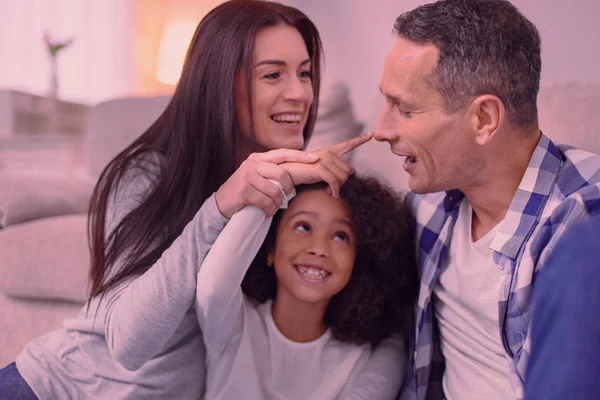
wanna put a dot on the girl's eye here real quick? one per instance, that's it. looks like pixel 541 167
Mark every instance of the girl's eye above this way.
pixel 302 227
pixel 342 236
pixel 305 74
pixel 272 75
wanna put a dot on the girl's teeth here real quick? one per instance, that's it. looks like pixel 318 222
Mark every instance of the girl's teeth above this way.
pixel 313 273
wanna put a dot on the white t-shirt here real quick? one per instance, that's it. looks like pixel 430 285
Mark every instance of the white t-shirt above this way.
pixel 247 357
pixel 466 307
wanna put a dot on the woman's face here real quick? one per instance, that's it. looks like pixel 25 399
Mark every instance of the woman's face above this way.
pixel 282 90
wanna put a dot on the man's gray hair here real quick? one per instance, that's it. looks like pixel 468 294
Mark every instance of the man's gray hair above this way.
pixel 486 47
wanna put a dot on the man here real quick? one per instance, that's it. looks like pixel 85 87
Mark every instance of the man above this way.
pixel 565 329
pixel 492 194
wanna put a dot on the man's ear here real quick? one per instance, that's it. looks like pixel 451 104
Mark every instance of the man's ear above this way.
pixel 487 115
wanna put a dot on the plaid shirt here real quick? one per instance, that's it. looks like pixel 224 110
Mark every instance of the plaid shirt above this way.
pixel 561 187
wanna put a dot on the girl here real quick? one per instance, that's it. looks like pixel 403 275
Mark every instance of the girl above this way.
pixel 250 83
pixel 334 277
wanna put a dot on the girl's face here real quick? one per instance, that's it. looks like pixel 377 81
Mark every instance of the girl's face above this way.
pixel 282 89
pixel 315 248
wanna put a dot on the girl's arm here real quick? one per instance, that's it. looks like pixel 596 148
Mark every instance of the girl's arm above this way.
pixel 219 295
pixel 382 375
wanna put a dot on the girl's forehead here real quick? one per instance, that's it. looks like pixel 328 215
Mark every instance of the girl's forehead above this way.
pixel 317 203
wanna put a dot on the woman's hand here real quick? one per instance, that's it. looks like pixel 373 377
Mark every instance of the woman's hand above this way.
pixel 250 183
pixel 329 168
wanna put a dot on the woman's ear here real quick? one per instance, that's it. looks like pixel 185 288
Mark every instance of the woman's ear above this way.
pixel 270 259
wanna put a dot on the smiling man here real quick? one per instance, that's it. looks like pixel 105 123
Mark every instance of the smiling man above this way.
pixel 491 193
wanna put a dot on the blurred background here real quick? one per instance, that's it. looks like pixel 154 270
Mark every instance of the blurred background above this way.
pixel 134 47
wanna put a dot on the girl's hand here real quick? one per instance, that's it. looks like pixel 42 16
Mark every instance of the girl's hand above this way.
pixel 329 168
pixel 250 184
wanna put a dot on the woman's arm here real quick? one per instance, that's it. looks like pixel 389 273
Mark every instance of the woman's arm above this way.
pixel 382 375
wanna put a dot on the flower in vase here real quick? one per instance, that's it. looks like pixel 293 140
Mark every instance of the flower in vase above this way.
pixel 54 46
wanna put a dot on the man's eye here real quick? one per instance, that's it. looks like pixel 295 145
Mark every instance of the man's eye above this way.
pixel 407 114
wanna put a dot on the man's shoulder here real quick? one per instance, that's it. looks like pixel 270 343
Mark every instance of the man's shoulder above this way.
pixel 579 177
pixel 579 165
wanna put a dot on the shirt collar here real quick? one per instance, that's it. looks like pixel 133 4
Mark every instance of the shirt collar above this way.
pixel 528 202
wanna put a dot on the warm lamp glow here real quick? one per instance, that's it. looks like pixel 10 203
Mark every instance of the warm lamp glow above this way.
pixel 176 37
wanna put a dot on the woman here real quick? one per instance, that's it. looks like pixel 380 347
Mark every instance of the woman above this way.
pixel 161 203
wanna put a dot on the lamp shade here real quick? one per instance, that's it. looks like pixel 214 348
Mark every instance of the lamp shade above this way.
pixel 174 42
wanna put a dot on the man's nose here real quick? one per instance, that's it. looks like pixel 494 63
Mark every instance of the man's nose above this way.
pixel 386 128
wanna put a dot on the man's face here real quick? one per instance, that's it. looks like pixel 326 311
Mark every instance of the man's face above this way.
pixel 440 148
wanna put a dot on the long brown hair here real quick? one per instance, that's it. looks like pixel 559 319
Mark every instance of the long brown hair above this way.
pixel 194 138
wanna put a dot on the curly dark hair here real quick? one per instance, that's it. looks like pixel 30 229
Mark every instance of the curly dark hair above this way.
pixel 379 299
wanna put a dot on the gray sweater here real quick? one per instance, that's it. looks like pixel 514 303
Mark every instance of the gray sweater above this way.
pixel 142 339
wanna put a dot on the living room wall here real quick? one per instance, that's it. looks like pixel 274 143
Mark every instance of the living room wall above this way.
pixel 96 67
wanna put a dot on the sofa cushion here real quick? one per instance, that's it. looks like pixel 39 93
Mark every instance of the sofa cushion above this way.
pixel 46 259
pixel 25 197
pixel 113 125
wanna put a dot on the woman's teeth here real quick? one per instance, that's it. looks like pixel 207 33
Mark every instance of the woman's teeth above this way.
pixel 289 118
pixel 312 273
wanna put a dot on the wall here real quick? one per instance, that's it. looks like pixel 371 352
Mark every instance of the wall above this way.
pixel 97 66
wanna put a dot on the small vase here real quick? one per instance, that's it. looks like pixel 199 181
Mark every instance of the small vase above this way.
pixel 53 78
pixel 52 110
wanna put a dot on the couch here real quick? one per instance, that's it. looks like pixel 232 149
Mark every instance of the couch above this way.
pixel 44 258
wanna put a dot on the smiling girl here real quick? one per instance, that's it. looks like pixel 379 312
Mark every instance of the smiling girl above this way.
pixel 334 277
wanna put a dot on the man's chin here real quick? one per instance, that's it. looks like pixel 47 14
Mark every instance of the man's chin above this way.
pixel 422 187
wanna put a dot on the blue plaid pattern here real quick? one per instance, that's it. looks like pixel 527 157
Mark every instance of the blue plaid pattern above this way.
pixel 560 188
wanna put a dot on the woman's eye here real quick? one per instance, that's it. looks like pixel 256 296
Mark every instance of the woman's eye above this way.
pixel 272 75
pixel 305 74
pixel 302 228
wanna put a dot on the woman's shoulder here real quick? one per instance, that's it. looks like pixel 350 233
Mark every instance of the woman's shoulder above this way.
pixel 138 175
